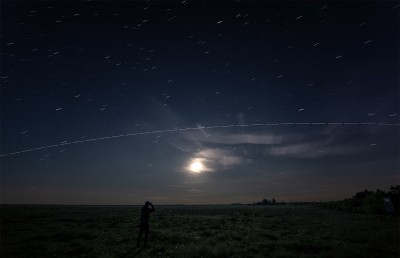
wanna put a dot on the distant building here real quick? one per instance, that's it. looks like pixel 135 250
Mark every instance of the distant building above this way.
pixel 269 202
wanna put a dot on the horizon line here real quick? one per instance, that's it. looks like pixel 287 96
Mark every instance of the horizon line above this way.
pixel 176 204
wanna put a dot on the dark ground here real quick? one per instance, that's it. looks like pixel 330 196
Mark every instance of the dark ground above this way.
pixel 196 231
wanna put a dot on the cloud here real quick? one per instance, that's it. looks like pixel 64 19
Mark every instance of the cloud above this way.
pixel 218 159
pixel 236 138
pixel 323 143
pixel 314 150
pixel 223 157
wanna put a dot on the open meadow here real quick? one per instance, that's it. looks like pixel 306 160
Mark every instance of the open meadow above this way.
pixel 196 231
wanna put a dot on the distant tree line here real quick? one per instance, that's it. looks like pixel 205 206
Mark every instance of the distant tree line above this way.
pixel 370 202
pixel 269 202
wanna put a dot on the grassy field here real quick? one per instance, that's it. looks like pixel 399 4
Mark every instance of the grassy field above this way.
pixel 196 231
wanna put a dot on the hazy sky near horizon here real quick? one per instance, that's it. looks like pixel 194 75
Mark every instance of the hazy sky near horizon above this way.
pixel 75 73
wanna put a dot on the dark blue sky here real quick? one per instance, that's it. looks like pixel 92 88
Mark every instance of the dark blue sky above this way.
pixel 73 71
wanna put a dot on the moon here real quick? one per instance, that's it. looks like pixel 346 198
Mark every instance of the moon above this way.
pixel 196 167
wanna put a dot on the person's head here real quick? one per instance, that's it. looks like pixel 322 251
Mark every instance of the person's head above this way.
pixel 147 203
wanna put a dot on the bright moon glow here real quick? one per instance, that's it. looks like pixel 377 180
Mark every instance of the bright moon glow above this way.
pixel 196 167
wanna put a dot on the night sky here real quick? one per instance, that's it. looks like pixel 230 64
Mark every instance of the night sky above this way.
pixel 302 99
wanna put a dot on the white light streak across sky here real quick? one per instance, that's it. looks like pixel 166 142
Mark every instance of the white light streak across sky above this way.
pixel 65 143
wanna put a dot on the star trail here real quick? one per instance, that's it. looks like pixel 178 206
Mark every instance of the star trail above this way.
pixel 111 102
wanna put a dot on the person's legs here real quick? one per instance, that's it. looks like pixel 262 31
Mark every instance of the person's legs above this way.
pixel 146 234
pixel 140 233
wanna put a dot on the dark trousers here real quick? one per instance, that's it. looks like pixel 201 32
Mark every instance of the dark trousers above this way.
pixel 144 226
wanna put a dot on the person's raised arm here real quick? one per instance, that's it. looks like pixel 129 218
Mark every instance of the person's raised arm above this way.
pixel 152 208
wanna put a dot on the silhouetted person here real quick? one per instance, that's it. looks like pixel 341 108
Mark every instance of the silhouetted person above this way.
pixel 144 222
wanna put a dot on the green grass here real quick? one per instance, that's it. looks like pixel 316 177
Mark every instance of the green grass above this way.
pixel 196 231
